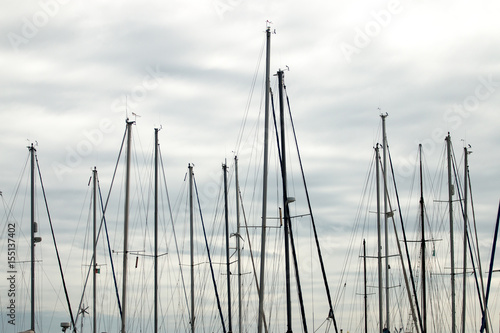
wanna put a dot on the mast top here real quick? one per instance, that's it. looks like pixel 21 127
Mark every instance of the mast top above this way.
pixel 268 27
pixel 32 146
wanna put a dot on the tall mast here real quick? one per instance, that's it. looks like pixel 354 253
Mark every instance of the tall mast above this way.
pixel 386 224
pixel 228 270
pixel 33 230
pixel 156 234
pixel 379 241
pixel 94 288
pixel 285 207
pixel 422 222
pixel 466 180
pixel 125 227
pixel 452 247
pixel 238 236
pixel 191 242
pixel 264 187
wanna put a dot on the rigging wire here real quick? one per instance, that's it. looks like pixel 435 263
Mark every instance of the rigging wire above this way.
pixel 8 210
pixel 331 313
pixel 492 258
pixel 173 231
pixel 249 99
pixel 103 220
pixel 475 233
pixel 354 231
pixel 209 258
pixel 470 245
pixel 9 215
pixel 55 244
pixel 251 256
pixel 414 289
pixel 286 209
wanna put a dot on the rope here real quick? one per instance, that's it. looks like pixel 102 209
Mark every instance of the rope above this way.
pixel 481 301
pixel 106 229
pixel 252 258
pixel 330 314
pixel 249 100
pixel 475 232
pixel 493 248
pixel 110 256
pixel 175 235
pixel 55 244
pixel 406 243
pixel 210 259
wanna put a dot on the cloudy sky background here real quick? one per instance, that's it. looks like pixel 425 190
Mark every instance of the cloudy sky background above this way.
pixel 70 69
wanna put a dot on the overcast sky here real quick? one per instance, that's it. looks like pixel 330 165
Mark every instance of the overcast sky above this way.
pixel 71 72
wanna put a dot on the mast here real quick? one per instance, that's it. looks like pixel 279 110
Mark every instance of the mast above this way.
pixel 379 243
pixel 156 234
pixel 386 224
pixel 285 205
pixel 191 244
pixel 422 222
pixel 464 300
pixel 94 288
pixel 365 293
pixel 228 270
pixel 264 187
pixel 125 227
pixel 238 245
pixel 33 230
pixel 452 247
pixel 288 227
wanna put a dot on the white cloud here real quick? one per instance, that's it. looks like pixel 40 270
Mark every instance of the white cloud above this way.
pixel 76 67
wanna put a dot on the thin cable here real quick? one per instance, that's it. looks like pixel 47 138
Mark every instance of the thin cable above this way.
pixel 414 289
pixel 330 314
pixel 55 245
pixel 173 229
pixel 249 100
pixel 210 259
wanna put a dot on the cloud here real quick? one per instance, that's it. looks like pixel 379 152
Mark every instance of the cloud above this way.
pixel 73 71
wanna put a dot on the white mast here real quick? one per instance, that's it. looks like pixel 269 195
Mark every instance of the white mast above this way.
pixel 264 187
pixel 125 227
pixel 238 236
pixel 452 248
pixel 365 290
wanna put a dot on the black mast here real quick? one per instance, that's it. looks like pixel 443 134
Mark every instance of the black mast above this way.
pixel 33 230
pixel 287 226
pixel 156 234
pixel 228 270
pixel 422 215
